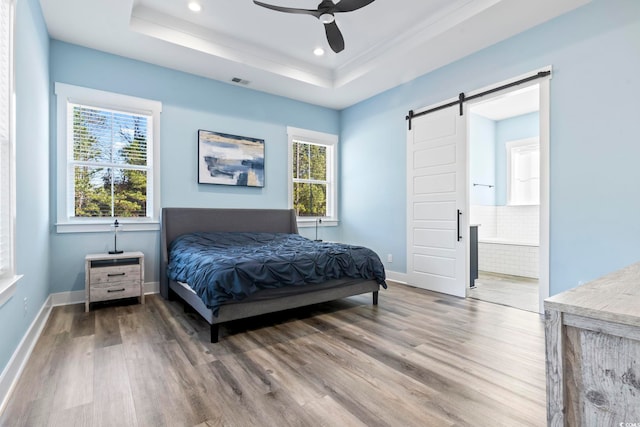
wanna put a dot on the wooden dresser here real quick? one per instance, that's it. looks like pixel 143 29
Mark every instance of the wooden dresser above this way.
pixel 593 352
pixel 114 276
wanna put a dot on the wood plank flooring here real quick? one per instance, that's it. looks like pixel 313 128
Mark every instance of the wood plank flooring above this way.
pixel 417 359
pixel 513 291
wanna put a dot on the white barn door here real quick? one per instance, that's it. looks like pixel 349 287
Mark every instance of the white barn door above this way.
pixel 437 220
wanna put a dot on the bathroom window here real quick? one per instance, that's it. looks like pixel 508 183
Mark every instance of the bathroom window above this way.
pixel 523 172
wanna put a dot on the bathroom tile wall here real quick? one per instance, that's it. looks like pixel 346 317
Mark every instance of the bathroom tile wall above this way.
pixel 518 223
pixel 516 260
pixel 487 218
pixel 514 224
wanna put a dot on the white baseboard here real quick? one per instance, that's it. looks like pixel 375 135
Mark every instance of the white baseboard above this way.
pixel 66 298
pixel 151 288
pixel 12 371
pixel 394 276
pixel 77 297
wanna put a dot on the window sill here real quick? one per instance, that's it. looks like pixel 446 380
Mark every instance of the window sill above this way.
pixel 95 227
pixel 308 223
pixel 8 288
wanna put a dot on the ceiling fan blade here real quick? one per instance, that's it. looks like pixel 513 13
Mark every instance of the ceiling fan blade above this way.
pixel 334 37
pixel 351 5
pixel 315 13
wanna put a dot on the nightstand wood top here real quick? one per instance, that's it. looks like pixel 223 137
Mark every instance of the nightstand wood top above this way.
pixel 97 257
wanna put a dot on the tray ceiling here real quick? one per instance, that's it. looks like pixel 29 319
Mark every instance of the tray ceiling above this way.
pixel 388 42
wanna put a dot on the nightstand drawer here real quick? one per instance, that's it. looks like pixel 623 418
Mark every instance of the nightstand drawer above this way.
pixel 107 275
pixel 115 291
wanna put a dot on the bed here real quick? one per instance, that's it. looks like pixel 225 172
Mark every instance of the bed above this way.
pixel 177 222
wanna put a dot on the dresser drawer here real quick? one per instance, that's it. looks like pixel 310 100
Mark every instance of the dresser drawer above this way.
pixel 115 291
pixel 107 275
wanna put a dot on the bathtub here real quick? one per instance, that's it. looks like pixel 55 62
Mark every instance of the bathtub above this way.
pixel 505 256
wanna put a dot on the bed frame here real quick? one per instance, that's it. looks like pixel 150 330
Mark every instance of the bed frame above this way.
pixel 178 221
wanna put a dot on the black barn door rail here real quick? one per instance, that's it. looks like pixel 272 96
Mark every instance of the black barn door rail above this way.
pixel 462 98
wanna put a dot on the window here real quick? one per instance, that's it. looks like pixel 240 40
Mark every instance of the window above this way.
pixel 523 172
pixel 8 276
pixel 107 160
pixel 312 171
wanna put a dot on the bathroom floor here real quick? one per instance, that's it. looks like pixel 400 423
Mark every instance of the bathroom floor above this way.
pixel 513 291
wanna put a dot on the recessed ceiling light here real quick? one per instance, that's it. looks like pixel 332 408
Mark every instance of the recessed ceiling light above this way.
pixel 318 51
pixel 195 6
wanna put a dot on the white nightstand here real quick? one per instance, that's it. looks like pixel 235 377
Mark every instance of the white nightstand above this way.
pixel 114 276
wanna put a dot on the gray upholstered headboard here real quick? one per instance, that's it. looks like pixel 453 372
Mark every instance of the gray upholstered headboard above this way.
pixel 179 221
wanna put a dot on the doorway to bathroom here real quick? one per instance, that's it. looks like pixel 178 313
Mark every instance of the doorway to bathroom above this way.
pixel 504 198
pixel 440 235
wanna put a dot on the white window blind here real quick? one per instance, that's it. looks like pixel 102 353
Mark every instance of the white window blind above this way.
pixel 8 277
pixel 311 183
pixel 7 210
pixel 523 172
pixel 109 163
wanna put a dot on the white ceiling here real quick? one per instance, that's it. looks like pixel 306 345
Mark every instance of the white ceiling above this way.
pixel 388 42
pixel 511 104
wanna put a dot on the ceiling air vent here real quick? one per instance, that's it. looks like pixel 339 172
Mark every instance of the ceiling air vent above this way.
pixel 240 81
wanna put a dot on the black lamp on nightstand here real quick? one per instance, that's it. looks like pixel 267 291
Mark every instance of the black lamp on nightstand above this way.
pixel 115 226
pixel 318 220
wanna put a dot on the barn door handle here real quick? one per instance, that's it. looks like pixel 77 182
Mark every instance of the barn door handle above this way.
pixel 459 214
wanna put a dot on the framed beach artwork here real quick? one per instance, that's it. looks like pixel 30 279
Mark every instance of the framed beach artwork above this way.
pixel 230 159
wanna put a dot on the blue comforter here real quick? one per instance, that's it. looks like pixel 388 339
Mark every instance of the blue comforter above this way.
pixel 231 266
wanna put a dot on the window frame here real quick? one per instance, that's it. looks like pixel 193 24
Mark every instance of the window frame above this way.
pixel 66 94
pixel 510 146
pixel 331 142
pixel 9 280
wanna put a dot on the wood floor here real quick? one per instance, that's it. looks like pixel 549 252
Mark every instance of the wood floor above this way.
pixel 513 291
pixel 417 359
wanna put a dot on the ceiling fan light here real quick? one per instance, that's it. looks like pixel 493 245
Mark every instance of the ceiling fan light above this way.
pixel 318 51
pixel 327 18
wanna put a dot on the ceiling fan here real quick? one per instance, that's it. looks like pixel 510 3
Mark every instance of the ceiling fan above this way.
pixel 325 13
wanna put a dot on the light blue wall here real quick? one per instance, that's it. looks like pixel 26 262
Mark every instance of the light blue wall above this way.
pixel 32 177
pixel 372 179
pixel 595 54
pixel 482 160
pixel 189 103
pixel 487 154
pixel 512 129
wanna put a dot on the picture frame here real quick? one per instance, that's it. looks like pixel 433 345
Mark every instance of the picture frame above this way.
pixel 226 159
